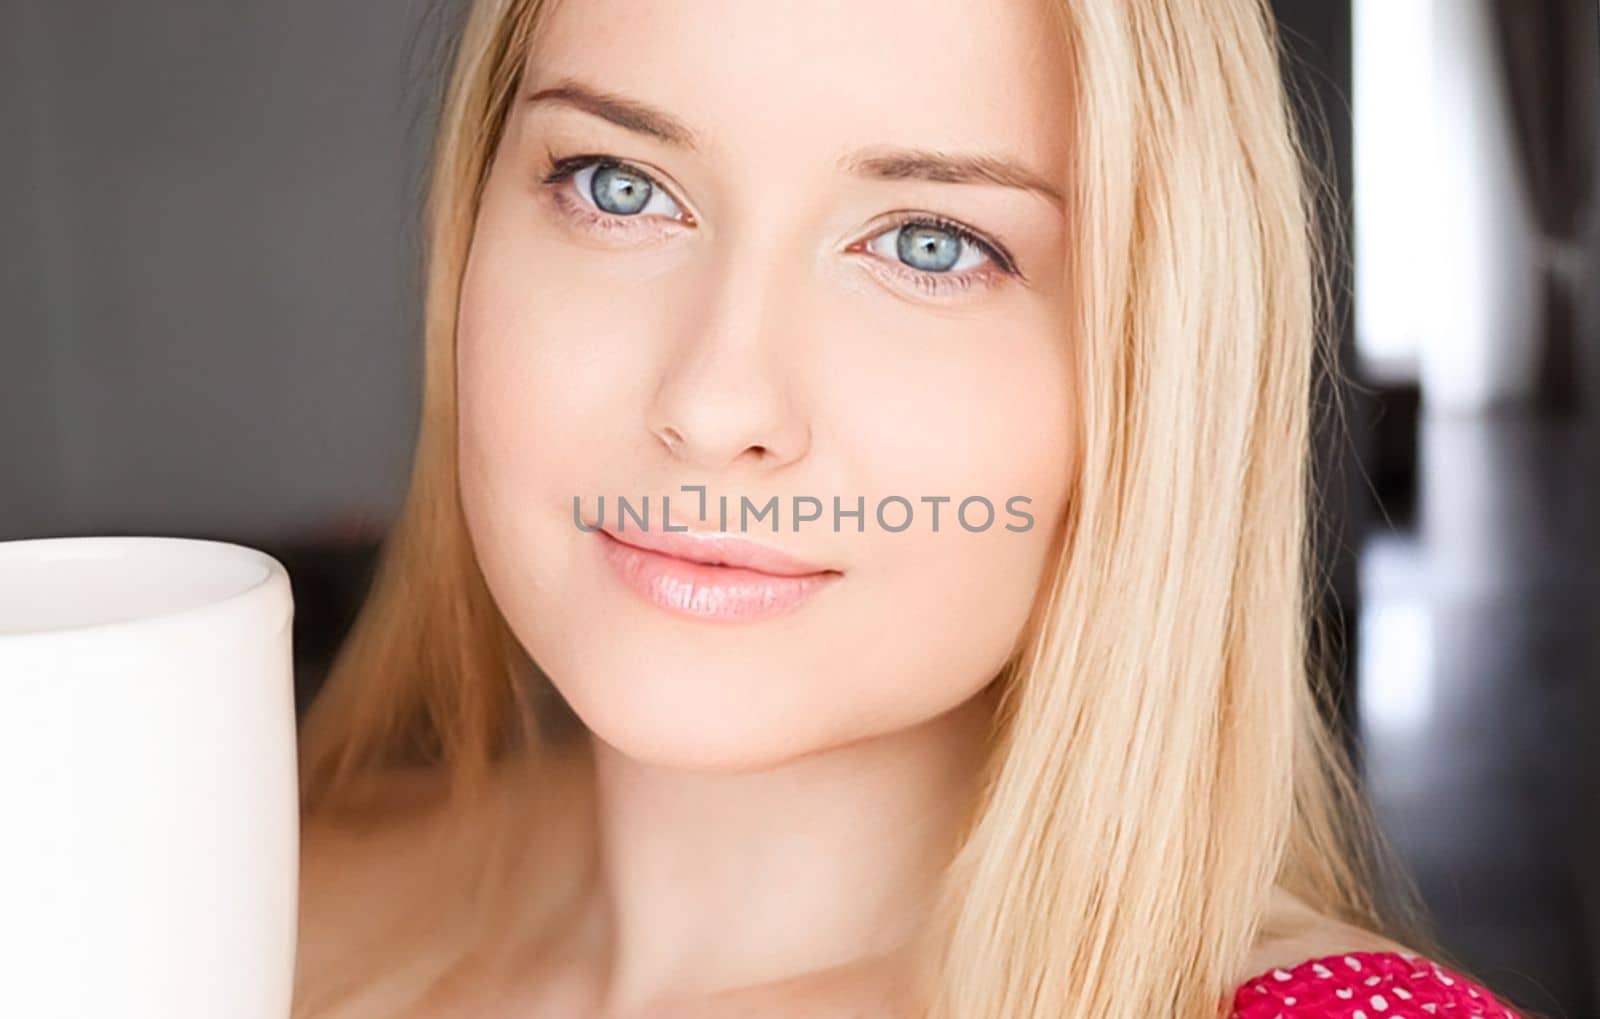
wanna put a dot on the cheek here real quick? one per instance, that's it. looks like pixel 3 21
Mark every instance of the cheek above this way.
pixel 502 406
pixel 974 418
pixel 543 371
pixel 981 405
pixel 526 413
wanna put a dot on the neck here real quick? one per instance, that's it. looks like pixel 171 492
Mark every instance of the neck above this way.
pixel 713 881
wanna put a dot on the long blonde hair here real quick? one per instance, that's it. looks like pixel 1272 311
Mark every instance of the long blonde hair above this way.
pixel 1162 756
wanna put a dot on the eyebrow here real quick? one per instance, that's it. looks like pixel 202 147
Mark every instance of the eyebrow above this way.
pixel 879 163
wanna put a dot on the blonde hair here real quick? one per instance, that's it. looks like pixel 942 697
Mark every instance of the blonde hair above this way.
pixel 1162 756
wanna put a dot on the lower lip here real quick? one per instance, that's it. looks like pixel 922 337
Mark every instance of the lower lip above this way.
pixel 702 591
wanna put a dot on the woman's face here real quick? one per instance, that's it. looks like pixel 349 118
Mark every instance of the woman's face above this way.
pixel 746 270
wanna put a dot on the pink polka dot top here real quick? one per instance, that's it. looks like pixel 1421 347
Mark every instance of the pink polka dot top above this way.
pixel 1366 985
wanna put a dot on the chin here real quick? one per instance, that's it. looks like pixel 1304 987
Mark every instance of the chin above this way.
pixel 704 719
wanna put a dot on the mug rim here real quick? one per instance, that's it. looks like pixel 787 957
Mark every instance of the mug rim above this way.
pixel 43 551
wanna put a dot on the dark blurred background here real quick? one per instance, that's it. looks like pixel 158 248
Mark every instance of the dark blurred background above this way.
pixel 210 329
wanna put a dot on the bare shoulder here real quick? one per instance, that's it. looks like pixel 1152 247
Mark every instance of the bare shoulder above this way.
pixel 1295 932
pixel 398 820
pixel 359 868
pixel 371 837
pixel 388 883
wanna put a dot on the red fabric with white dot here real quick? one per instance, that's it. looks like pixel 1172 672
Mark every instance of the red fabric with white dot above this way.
pixel 1366 985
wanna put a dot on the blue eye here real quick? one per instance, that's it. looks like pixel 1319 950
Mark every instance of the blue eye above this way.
pixel 937 246
pixel 620 190
pixel 928 247
pixel 614 188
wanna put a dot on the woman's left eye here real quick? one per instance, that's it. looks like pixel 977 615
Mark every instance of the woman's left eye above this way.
pixel 940 257
pixel 938 246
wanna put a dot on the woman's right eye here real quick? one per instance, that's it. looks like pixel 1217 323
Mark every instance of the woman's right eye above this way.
pixel 606 193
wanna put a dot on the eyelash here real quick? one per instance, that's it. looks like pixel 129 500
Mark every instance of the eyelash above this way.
pixel 1001 264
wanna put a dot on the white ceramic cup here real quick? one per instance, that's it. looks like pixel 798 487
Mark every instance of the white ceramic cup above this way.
pixel 149 826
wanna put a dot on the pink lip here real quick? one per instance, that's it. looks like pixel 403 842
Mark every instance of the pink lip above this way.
pixel 680 573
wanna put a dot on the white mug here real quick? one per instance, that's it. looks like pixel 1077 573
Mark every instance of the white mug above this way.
pixel 149 825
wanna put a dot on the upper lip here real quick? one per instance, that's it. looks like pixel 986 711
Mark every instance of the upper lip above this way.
pixel 718 548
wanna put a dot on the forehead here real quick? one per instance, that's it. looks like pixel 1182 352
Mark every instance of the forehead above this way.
pixel 821 76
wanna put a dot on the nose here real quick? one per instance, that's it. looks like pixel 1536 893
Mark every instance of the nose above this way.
pixel 728 394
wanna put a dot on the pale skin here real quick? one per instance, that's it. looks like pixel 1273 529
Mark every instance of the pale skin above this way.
pixel 772 800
